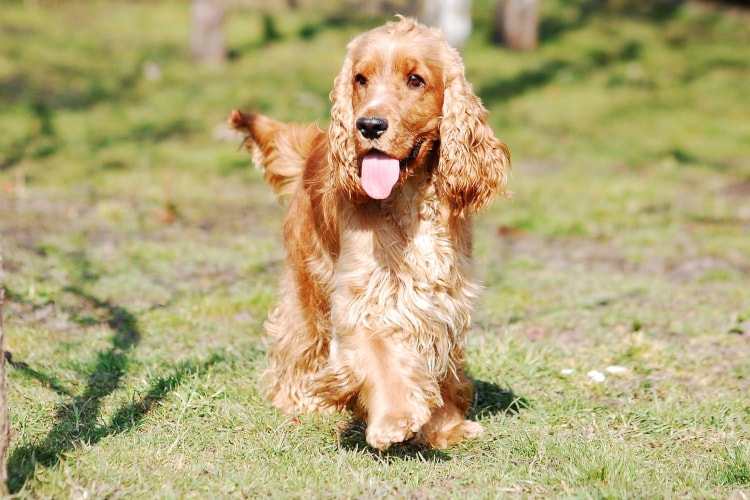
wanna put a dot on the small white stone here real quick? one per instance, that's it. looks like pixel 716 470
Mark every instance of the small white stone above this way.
pixel 596 376
pixel 567 371
pixel 152 71
pixel 616 370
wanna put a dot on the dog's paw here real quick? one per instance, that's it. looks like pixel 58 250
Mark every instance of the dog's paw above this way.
pixel 446 436
pixel 392 429
pixel 469 430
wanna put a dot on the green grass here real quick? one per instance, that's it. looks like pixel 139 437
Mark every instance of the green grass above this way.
pixel 141 254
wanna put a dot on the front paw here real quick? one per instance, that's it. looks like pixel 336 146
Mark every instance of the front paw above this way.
pixel 469 430
pixel 392 429
pixel 443 437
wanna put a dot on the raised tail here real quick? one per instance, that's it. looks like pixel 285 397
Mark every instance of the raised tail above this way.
pixel 279 149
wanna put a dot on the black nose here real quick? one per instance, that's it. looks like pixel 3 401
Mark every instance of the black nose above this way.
pixel 372 127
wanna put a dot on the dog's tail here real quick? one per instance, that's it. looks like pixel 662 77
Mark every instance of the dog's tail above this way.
pixel 280 150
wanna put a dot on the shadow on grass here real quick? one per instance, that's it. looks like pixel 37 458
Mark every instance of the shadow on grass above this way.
pixel 551 70
pixel 581 12
pixel 489 399
pixel 78 87
pixel 553 27
pixel 344 20
pixel 77 421
pixel 46 380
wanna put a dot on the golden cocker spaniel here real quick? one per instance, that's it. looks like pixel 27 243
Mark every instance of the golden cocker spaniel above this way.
pixel 378 288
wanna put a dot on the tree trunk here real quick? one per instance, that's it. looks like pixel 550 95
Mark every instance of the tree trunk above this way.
pixel 453 17
pixel 4 430
pixel 207 37
pixel 517 24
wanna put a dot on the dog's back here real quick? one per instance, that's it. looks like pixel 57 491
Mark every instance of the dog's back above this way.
pixel 279 149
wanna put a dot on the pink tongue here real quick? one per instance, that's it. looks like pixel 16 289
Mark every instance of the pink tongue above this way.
pixel 379 175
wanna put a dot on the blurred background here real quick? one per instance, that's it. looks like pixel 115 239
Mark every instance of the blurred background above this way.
pixel 621 82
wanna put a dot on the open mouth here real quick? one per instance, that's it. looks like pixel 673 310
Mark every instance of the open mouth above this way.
pixel 412 154
pixel 381 172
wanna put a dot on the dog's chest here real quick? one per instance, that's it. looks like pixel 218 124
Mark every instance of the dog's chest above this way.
pixel 419 241
pixel 403 265
pixel 428 255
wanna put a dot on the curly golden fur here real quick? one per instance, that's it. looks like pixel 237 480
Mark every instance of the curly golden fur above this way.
pixel 378 289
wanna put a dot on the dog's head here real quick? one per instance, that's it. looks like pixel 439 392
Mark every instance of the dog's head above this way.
pixel 401 103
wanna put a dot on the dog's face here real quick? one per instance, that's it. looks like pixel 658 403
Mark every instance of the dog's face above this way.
pixel 397 99
pixel 402 105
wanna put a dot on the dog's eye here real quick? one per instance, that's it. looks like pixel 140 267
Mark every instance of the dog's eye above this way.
pixel 415 81
pixel 360 79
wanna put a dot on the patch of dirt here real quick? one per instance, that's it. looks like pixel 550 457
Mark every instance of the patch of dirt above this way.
pixel 579 255
pixel 739 189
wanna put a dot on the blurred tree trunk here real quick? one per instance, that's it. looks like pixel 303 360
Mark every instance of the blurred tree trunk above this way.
pixel 371 7
pixel 4 430
pixel 207 34
pixel 453 17
pixel 517 24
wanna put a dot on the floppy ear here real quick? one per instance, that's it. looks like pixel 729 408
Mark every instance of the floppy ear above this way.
pixel 341 154
pixel 474 164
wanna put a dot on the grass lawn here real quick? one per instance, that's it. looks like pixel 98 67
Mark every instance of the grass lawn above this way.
pixel 141 250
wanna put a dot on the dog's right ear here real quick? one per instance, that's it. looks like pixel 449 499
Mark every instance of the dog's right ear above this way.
pixel 342 156
pixel 474 164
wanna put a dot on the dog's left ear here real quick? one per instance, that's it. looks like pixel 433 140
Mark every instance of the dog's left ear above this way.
pixel 474 164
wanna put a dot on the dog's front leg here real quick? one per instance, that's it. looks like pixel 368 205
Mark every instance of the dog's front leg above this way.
pixel 388 387
pixel 449 425
pixel 397 394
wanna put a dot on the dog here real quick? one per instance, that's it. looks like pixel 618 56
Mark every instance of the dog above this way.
pixel 378 287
